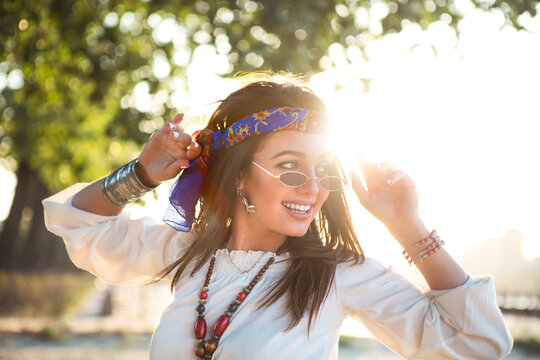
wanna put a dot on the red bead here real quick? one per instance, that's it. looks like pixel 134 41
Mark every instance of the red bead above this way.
pixel 242 296
pixel 221 325
pixel 203 295
pixel 200 328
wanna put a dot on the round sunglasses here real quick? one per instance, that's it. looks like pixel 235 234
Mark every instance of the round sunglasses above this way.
pixel 296 179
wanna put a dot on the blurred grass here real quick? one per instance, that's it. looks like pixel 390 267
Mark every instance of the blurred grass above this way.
pixel 529 345
pixel 44 294
pixel 52 332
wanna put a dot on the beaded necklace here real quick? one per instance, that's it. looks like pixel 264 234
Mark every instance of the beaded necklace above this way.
pixel 205 348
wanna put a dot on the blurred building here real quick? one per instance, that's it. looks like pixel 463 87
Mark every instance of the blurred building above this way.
pixel 503 258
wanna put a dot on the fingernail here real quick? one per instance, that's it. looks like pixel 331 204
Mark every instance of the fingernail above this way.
pixel 196 144
pixel 389 181
pixel 176 134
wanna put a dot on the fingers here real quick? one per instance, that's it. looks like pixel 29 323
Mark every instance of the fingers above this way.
pixel 177 166
pixel 386 166
pixel 389 176
pixel 380 174
pixel 178 119
pixel 395 177
pixel 174 125
pixel 193 151
pixel 181 145
pixel 373 172
pixel 184 158
pixel 180 138
pixel 388 172
pixel 176 132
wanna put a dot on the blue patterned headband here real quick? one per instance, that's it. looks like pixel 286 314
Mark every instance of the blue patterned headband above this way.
pixel 186 191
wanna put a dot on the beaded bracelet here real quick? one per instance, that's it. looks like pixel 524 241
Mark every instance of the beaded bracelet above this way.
pixel 432 247
pixel 435 243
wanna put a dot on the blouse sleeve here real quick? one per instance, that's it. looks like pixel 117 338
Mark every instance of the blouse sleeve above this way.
pixel 118 249
pixel 460 323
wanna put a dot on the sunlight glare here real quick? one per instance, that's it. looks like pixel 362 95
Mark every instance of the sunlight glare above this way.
pixel 451 120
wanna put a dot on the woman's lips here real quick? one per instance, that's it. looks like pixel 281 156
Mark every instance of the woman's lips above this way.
pixel 299 214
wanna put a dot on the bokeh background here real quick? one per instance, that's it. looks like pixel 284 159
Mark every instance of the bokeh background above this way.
pixel 445 89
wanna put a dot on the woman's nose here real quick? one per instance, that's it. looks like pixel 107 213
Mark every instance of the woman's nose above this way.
pixel 312 185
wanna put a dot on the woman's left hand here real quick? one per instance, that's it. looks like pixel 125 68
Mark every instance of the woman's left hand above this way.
pixel 390 195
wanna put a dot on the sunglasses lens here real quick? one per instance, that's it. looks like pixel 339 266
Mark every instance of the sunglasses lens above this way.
pixel 293 179
pixel 332 183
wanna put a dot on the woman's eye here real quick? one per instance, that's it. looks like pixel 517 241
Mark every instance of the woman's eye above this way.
pixel 323 169
pixel 289 165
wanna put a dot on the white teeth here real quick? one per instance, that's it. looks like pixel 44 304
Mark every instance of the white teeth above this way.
pixel 297 208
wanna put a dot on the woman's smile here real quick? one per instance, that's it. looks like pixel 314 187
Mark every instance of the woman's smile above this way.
pixel 300 210
pixel 297 211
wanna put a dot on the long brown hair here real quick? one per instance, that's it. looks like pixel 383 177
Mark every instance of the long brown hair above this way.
pixel 330 238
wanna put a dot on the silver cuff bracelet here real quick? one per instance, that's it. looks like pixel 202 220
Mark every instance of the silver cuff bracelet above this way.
pixel 123 186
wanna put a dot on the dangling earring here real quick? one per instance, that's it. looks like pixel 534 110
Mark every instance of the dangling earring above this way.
pixel 250 209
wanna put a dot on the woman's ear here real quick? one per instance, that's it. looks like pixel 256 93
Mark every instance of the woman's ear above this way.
pixel 240 181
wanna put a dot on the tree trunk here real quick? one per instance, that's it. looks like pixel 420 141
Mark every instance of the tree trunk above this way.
pixel 35 249
pixel 42 249
pixel 11 228
pixel 27 244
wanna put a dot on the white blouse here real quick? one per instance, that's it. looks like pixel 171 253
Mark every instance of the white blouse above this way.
pixel 459 323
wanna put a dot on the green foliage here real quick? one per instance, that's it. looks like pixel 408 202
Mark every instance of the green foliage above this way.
pixel 75 116
pixel 60 120
pixel 46 294
pixel 530 345
pixel 52 332
pixel 362 345
pixel 346 341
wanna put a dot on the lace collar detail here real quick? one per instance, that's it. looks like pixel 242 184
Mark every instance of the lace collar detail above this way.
pixel 249 261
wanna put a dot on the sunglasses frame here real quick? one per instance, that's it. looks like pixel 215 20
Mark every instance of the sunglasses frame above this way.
pixel 301 173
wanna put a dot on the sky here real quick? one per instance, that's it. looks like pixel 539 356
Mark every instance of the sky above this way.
pixel 459 116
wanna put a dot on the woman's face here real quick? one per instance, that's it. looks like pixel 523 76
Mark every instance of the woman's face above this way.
pixel 279 208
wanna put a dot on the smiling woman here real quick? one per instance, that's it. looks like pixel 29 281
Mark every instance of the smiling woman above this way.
pixel 271 255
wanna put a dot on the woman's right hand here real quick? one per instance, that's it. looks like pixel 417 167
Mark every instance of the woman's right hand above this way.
pixel 167 152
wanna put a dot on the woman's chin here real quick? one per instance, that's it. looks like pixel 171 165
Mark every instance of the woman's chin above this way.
pixel 296 232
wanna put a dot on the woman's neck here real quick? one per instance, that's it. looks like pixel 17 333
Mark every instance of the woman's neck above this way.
pixel 246 238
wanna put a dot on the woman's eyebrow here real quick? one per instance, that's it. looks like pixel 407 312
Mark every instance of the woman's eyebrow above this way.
pixel 300 154
pixel 290 152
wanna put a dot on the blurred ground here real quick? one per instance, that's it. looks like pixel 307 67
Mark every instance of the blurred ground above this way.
pixel 116 322
pixel 135 347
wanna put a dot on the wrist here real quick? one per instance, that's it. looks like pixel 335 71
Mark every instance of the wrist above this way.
pixel 124 186
pixel 408 231
pixel 143 176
